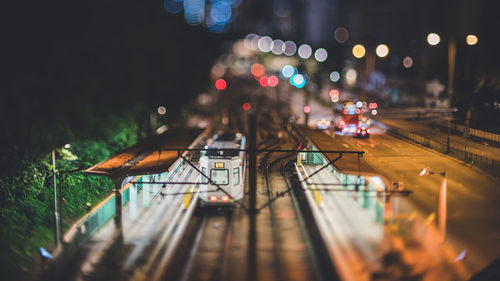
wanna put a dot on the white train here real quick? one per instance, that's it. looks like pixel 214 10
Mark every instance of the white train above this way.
pixel 225 165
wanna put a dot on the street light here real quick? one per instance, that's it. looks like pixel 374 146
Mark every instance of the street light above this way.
pixel 471 39
pixel 358 51
pixel 382 50
pixel 433 39
pixel 442 204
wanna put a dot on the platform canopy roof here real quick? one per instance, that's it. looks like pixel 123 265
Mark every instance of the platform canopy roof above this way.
pixel 349 163
pixel 146 157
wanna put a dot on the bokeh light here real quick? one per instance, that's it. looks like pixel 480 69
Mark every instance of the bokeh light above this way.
pixel 335 98
pixel 407 62
pixel 334 76
pixel 471 39
pixel 173 6
pixel 220 84
pixel 248 41
pixel 265 44
pixel 382 50
pixel 257 70
pixel 278 47
pixel 272 81
pixel 290 48
pixel 333 92
pixel 264 81
pixel 305 51
pixel 320 55
pixel 287 71
pixel 307 109
pixel 194 11
pixel 341 35
pixel 351 75
pixel 358 51
pixel 162 110
pixel 246 106
pixel 433 39
pixel 298 80
pixel 220 12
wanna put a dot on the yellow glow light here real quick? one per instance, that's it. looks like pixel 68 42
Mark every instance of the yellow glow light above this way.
pixel 382 50
pixel 433 39
pixel 358 51
pixel 471 39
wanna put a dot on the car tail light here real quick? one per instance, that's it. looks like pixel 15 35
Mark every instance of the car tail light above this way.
pixel 225 198
pixel 212 198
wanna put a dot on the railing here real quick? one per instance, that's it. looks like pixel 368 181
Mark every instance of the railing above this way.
pixel 487 164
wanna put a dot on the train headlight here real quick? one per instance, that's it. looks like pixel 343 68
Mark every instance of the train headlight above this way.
pixel 225 198
pixel 212 198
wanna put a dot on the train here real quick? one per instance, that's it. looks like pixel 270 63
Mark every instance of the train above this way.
pixel 223 164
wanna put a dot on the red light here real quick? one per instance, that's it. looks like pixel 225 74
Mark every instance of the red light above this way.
pixel 272 81
pixel 358 111
pixel 257 70
pixel 263 81
pixel 220 84
pixel 246 106
pixel 334 92
pixel 307 109
pixel 212 198
pixel 346 111
pixel 375 105
pixel 225 198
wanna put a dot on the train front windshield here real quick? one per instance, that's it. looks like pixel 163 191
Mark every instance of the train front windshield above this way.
pixel 220 176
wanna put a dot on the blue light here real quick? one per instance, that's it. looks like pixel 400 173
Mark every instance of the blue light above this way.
pixel 221 12
pixel 45 254
pixel 194 11
pixel 287 71
pixel 298 80
pixel 172 6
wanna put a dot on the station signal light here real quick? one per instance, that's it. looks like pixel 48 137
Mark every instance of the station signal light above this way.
pixel 246 106
pixel 220 84
pixel 307 109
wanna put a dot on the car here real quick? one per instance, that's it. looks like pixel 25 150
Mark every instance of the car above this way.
pixel 323 124
pixel 362 132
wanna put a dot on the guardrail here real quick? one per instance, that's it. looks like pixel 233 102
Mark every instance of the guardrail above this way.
pixel 478 133
pixel 487 164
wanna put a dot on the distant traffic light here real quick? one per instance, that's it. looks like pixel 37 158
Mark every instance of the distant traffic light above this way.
pixel 220 84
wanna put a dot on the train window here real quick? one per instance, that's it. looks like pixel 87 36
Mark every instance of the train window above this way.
pixel 219 176
pixel 236 176
pixel 204 175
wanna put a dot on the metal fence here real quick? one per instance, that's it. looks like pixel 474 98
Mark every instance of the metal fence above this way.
pixel 487 164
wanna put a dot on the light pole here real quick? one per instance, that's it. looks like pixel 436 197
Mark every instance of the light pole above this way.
pixel 442 201
pixel 56 213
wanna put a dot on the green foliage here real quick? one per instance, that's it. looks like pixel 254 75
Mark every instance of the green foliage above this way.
pixel 26 197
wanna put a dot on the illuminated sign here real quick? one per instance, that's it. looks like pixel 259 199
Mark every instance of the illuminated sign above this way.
pixel 219 164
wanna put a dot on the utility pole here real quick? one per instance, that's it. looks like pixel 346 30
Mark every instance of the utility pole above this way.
pixel 56 213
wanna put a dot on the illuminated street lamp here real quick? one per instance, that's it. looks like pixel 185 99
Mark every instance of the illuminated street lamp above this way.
pixel 442 204
pixel 382 50
pixel 358 51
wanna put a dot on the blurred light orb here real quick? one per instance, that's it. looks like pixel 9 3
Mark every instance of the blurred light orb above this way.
pixel 287 71
pixel 374 112
pixel 220 84
pixel 341 34
pixel 257 70
pixel 334 76
pixel 335 98
pixel 320 55
pixel 220 12
pixel 298 80
pixel 162 110
pixel 67 146
pixel 471 39
pixel 290 48
pixel 265 44
pixel 351 75
pixel 305 51
pixel 173 6
pixel 433 39
pixel 263 81
pixel 278 47
pixel 359 104
pixel 358 51
pixel 307 109
pixel 382 50
pixel 272 81
pixel 246 106
pixel 407 62
pixel 248 41
pixel 333 92
pixel 194 11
